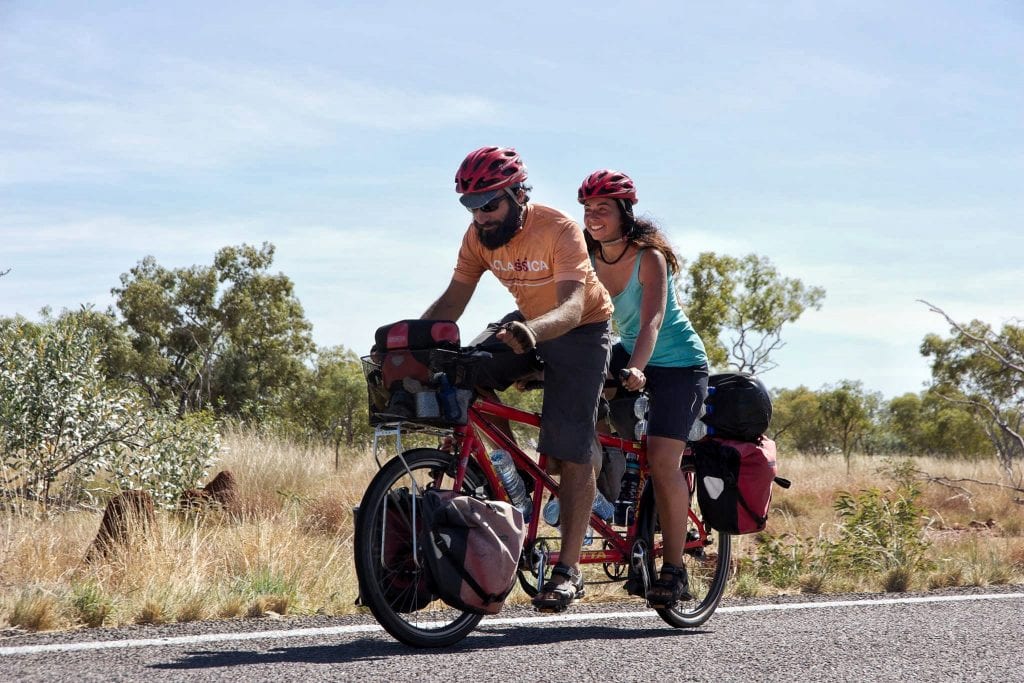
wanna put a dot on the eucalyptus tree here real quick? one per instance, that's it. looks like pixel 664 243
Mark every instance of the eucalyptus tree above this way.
pixel 981 368
pixel 739 306
pixel 227 335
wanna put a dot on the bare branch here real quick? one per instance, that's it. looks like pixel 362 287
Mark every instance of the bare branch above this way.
pixel 988 347
pixel 956 484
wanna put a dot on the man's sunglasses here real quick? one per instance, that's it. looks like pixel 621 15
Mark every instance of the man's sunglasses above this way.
pixel 489 207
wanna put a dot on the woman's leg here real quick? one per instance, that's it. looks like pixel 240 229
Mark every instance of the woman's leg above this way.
pixel 677 396
pixel 671 493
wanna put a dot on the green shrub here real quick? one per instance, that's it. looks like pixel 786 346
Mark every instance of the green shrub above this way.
pixel 785 561
pixel 882 531
pixel 64 430
pixel 91 605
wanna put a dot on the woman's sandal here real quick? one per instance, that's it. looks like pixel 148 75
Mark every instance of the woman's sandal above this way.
pixel 556 596
pixel 666 592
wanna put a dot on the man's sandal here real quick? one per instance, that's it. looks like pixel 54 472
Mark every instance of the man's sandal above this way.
pixel 556 595
pixel 671 587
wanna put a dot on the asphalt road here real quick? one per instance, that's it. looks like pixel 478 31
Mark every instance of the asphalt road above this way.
pixel 964 635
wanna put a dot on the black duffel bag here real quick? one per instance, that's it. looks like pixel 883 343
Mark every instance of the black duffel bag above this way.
pixel 738 406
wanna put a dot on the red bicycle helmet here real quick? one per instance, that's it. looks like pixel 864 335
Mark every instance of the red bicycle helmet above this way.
pixel 607 183
pixel 489 168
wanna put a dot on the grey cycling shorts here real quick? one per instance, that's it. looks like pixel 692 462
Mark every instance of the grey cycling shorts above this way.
pixel 575 367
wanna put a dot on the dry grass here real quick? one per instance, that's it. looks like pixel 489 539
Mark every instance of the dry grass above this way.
pixel 287 548
pixel 976 534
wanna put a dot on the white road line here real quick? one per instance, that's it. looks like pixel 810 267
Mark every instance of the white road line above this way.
pixel 368 628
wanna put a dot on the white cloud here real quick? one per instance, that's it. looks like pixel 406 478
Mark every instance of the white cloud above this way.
pixel 159 112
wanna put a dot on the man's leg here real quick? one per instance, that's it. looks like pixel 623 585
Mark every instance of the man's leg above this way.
pixel 575 368
pixel 576 493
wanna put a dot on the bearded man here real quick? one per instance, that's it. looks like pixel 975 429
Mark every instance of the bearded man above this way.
pixel 539 254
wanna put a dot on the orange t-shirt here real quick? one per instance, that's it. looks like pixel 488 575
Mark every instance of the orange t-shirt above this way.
pixel 550 248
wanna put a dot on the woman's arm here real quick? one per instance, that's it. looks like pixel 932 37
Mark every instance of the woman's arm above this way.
pixel 654 283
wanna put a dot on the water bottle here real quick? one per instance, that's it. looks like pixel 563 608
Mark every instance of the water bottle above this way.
pixel 506 470
pixel 449 401
pixel 604 509
pixel 602 506
pixel 625 504
pixel 550 512
pixel 640 406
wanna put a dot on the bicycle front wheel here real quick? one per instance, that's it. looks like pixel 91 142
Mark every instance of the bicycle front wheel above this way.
pixel 707 567
pixel 389 555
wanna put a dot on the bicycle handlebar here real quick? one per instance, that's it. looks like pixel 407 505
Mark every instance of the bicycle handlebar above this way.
pixel 477 352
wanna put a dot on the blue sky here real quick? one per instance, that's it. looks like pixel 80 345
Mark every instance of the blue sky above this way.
pixel 875 149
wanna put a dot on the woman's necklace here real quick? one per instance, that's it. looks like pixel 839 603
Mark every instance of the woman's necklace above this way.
pixel 617 258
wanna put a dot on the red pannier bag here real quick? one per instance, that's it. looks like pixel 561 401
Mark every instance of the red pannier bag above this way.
pixel 734 482
pixel 472 549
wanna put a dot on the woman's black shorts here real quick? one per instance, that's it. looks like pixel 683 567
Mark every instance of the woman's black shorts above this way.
pixel 676 395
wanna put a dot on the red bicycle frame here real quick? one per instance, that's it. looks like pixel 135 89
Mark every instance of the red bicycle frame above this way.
pixel 468 444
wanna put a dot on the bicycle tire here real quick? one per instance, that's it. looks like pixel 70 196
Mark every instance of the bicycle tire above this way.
pixel 399 611
pixel 708 571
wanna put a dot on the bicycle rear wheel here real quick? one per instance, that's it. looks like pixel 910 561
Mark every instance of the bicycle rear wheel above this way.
pixel 708 567
pixel 389 557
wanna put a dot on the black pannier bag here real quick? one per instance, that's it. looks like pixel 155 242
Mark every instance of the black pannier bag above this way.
pixel 626 412
pixel 412 374
pixel 738 406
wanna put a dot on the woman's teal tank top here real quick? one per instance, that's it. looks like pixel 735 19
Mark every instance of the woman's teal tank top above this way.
pixel 678 343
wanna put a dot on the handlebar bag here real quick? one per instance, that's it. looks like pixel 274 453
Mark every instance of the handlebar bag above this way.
pixel 472 549
pixel 403 351
pixel 734 482
pixel 417 335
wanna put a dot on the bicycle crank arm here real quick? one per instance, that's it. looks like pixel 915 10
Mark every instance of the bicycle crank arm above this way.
pixel 639 562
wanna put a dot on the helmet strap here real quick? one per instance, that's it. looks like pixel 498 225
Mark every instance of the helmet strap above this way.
pixel 513 192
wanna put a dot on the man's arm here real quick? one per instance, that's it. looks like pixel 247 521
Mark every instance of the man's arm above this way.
pixel 556 322
pixel 451 304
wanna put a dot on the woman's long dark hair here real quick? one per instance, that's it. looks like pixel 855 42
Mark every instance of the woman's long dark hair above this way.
pixel 640 232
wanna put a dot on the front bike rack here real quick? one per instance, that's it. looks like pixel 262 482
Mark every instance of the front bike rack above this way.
pixel 395 430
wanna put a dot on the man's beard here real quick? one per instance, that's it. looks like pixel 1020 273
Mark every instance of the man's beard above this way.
pixel 501 235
